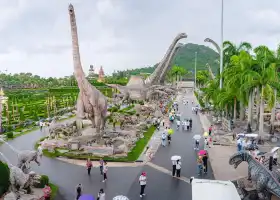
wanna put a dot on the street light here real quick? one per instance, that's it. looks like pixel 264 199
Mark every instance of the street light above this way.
pixel 3 100
pixel 220 48
pixel 195 61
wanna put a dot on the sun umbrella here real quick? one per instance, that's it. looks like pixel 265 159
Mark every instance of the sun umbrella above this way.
pixel 205 134
pixel 176 158
pixel 120 197
pixel 202 152
pixel 86 197
pixel 170 131
pixel 197 137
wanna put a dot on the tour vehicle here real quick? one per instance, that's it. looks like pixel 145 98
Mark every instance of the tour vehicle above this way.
pixel 204 189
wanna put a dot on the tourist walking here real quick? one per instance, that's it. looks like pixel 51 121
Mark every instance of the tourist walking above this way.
pixel 199 165
pixel 169 138
pixel 178 168
pixel 101 195
pixel 196 147
pixel 206 144
pixel 89 165
pixel 41 126
pixel 174 167
pixel 178 124
pixel 101 163
pixel 205 164
pixel 143 183
pixel 163 139
pixel 210 129
pixel 190 123
pixel 78 191
pixel 105 170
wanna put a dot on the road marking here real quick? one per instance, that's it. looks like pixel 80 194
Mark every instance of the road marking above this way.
pixel 166 171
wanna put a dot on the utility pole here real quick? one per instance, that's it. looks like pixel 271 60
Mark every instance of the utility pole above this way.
pixel 195 61
pixel 222 48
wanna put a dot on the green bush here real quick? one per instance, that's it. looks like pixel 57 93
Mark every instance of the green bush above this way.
pixel 10 135
pixel 5 178
pixel 44 181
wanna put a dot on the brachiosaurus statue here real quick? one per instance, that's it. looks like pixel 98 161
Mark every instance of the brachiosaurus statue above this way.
pixel 153 79
pixel 90 100
pixel 167 64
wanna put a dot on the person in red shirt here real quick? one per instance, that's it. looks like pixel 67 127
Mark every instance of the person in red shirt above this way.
pixel 47 192
pixel 89 166
pixel 210 130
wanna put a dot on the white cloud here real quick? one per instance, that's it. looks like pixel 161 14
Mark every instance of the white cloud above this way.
pixel 120 34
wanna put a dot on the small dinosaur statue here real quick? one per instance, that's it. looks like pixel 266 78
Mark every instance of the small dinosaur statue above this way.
pixel 91 102
pixel 25 157
pixel 265 179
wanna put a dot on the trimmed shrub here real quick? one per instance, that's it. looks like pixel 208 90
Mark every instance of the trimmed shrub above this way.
pixel 43 181
pixel 10 135
pixel 5 178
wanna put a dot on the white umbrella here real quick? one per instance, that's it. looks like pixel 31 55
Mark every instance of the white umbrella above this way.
pixel 174 158
pixel 120 197
pixel 197 137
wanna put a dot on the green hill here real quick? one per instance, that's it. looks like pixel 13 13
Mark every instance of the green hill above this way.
pixel 185 57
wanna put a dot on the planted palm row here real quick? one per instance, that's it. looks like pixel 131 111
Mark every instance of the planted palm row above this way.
pixel 25 107
pixel 250 82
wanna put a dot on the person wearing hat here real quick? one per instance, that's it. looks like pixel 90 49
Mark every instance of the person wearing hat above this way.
pixel 142 182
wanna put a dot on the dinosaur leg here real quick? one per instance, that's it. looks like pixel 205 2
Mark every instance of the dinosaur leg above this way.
pixel 80 107
pixel 97 118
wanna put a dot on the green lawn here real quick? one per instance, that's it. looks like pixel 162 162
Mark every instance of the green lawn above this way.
pixel 54 190
pixel 131 157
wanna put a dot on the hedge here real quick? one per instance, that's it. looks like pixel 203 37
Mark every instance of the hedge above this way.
pixel 5 178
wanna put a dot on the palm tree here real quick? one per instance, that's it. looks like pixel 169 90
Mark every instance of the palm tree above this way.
pixel 177 72
pixel 202 78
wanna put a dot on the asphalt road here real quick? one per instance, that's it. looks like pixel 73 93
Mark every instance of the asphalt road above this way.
pixel 123 180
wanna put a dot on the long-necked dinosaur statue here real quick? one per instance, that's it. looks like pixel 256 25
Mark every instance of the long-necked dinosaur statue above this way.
pixel 134 89
pixel 167 65
pixel 90 100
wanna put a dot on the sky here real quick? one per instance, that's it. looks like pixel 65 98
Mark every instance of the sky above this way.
pixel 123 34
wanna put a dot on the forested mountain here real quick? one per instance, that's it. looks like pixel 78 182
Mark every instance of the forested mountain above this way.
pixel 185 57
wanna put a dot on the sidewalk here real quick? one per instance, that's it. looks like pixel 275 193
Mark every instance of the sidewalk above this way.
pixel 219 157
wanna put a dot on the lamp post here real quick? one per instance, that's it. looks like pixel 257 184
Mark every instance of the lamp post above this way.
pixel 222 48
pixel 3 100
pixel 195 61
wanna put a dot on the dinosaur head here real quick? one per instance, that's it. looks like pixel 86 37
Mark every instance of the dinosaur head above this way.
pixel 207 40
pixel 182 35
pixel 237 158
pixel 71 9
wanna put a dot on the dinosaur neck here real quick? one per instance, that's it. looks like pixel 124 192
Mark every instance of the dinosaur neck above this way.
pixel 210 71
pixel 152 79
pixel 215 45
pixel 167 64
pixel 78 70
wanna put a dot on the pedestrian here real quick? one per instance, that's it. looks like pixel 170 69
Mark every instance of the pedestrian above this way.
pixel 173 167
pixel 239 145
pixel 210 129
pixel 89 165
pixel 178 168
pixel 196 147
pixel 143 183
pixel 206 144
pixel 101 195
pixel 101 163
pixel 163 139
pixel 169 138
pixel 47 192
pixel 41 126
pixel 78 191
pixel 196 109
pixel 205 164
pixel 178 124
pixel 199 165
pixel 190 123
pixel 105 170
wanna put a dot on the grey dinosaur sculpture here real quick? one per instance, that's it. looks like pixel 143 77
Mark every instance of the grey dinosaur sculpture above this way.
pixel 137 89
pixel 25 157
pixel 265 180
pixel 90 100
pixel 214 43
pixel 167 65
pixel 154 78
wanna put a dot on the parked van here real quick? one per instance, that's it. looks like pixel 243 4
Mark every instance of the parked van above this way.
pixel 204 189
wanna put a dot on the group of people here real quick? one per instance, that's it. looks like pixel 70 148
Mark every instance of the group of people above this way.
pixel 43 125
pixel 186 124
pixel 165 137
pixel 79 191
pixel 202 163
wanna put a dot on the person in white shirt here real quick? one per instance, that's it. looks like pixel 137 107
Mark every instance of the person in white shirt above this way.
pixel 188 124
pixel 41 125
pixel 163 139
pixel 101 194
pixel 178 168
pixel 105 170
pixel 178 124
pixel 173 167
pixel 143 183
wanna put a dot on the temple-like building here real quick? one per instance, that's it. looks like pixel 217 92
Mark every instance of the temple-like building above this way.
pixel 94 73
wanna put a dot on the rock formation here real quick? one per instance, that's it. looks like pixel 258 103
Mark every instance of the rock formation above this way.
pixel 90 100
